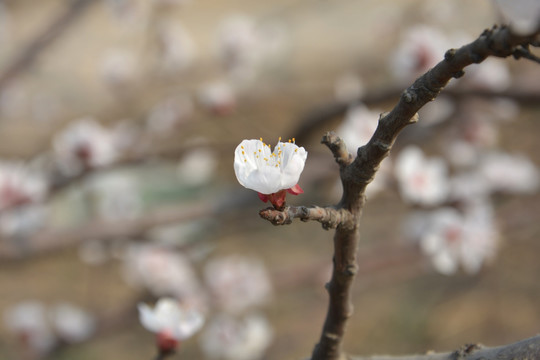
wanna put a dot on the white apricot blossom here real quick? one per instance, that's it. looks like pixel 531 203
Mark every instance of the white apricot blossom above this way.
pixel 259 168
pixel 170 321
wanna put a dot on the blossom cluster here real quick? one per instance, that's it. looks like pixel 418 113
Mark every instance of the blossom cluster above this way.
pixel 233 288
pixel 40 327
pixel 455 222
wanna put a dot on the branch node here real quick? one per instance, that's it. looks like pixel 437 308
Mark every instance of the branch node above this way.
pixel 449 55
pixel 414 119
pixel 466 350
pixel 458 74
pixel 327 286
pixel 331 336
pixel 409 96
pixel 351 270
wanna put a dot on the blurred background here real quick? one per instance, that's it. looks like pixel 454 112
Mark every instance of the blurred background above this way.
pixel 118 124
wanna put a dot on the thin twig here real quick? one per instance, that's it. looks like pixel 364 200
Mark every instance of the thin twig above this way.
pixel 329 217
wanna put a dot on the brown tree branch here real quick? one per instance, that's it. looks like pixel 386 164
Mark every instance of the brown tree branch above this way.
pixel 356 175
pixel 524 349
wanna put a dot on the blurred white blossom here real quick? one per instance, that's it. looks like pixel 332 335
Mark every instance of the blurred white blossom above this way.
pixel 218 97
pixel 358 126
pixel 509 173
pixel 452 239
pixel 230 338
pixel 28 320
pixel 171 321
pixel 523 16
pixel 119 68
pixel 197 166
pixel 162 271
pixel 84 144
pixel 244 47
pixel 437 111
pixel 177 48
pixel 421 47
pixel 19 184
pixel 421 181
pixel 71 323
pixel 491 74
pixel 170 113
pixel 23 221
pixel 237 283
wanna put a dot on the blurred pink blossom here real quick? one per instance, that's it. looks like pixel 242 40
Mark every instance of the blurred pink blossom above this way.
pixel 421 47
pixel 450 238
pixel 421 181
